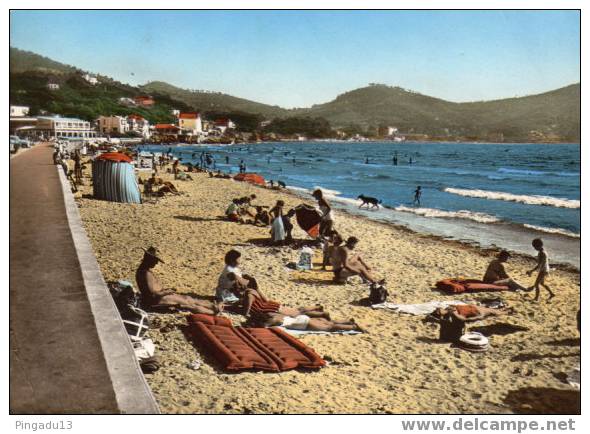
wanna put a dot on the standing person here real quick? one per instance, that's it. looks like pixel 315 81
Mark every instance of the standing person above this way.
pixel 78 167
pixel 242 166
pixel 327 222
pixel 227 159
pixel 417 195
pixel 395 160
pixel 410 160
pixel 543 269
pixel 268 160
pixel 278 228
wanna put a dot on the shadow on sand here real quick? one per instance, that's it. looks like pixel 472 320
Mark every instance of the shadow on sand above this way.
pixel 500 329
pixel 543 400
pixel 569 342
pixel 525 357
pixel 198 219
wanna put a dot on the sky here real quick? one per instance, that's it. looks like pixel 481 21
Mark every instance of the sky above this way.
pixel 301 58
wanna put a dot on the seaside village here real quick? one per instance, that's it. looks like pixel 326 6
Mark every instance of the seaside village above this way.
pixel 215 273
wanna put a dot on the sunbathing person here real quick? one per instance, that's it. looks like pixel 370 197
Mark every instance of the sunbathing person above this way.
pixel 470 312
pixel 347 263
pixel 256 305
pixel 262 216
pixel 168 187
pixel 496 274
pixel 304 322
pixel 153 295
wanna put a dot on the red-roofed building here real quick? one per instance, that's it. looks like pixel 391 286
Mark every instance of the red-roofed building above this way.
pixel 138 125
pixel 166 129
pixel 144 101
pixel 190 122
pixel 224 124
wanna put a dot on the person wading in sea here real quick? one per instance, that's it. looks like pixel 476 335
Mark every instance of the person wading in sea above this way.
pixel 417 195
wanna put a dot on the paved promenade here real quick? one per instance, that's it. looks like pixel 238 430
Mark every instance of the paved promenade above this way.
pixel 57 362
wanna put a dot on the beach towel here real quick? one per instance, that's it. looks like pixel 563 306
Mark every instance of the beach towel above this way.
pixel 278 229
pixel 308 218
pixel 313 332
pixel 417 309
pixel 456 286
pixel 252 178
pixel 245 348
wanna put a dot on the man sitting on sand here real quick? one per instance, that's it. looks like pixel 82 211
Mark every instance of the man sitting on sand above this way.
pixel 304 322
pixel 347 263
pixel 496 274
pixel 152 293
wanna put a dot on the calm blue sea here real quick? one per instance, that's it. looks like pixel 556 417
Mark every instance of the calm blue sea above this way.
pixel 475 192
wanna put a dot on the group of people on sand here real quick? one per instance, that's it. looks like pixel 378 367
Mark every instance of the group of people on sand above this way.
pixel 496 273
pixel 237 292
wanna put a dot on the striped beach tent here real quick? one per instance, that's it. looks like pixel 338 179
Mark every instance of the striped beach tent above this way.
pixel 113 178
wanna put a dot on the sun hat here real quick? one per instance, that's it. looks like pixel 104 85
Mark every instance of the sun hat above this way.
pixel 153 252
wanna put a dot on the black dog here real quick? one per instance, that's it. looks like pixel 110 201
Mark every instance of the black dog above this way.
pixel 373 201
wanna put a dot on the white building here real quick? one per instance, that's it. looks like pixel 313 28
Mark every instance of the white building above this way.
pixel 112 124
pixel 175 112
pixel 19 111
pixel 52 86
pixel 139 125
pixel 224 124
pixel 391 131
pixel 56 126
pixel 129 102
pixel 190 123
pixel 90 79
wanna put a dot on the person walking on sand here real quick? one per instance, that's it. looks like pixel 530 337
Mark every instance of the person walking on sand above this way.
pixel 417 195
pixel 152 293
pixel 543 270
pixel 496 274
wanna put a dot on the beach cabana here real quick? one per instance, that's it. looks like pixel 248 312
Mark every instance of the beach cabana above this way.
pixel 252 178
pixel 113 178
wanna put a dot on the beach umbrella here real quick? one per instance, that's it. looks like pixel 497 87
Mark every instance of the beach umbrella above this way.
pixel 308 218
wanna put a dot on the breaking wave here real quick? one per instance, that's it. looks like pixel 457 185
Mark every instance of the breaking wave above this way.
pixel 522 198
pixel 553 230
pixel 463 214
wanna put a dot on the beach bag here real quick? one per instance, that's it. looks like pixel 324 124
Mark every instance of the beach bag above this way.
pixel 305 259
pixel 451 329
pixel 278 230
pixel 124 294
pixel 378 294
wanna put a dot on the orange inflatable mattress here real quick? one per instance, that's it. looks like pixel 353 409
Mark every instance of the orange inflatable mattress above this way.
pixel 456 286
pixel 245 348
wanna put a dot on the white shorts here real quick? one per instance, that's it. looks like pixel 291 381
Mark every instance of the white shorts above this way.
pixel 299 322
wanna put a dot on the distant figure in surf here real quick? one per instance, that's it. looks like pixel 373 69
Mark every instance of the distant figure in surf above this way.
pixel 410 160
pixel 268 160
pixel 227 159
pixel 367 160
pixel 242 166
pixel 417 195
pixel 395 160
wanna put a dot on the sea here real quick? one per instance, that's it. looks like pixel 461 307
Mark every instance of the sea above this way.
pixel 492 195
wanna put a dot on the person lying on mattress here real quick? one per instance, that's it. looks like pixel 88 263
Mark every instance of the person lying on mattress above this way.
pixel 348 263
pixel 305 322
pixel 152 293
pixel 496 274
pixel 469 312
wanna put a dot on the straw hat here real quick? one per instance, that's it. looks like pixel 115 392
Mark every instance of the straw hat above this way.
pixel 153 252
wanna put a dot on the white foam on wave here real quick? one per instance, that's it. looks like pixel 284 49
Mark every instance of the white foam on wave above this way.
pixel 522 198
pixel 439 213
pixel 553 230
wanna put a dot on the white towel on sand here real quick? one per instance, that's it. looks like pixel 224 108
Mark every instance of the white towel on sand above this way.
pixel 417 309
pixel 310 332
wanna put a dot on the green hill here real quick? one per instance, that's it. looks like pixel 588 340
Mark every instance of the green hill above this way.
pixel 213 101
pixel 548 117
pixel 555 114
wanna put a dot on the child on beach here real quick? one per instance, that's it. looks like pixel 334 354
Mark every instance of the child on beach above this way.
pixel 543 270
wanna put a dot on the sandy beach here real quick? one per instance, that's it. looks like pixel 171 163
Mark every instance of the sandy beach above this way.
pixel 398 367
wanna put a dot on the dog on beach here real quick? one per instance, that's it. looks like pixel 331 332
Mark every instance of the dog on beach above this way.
pixel 371 202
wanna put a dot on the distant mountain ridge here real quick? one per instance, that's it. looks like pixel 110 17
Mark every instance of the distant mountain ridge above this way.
pixel 552 116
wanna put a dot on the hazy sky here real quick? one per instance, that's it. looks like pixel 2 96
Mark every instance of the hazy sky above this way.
pixel 300 58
